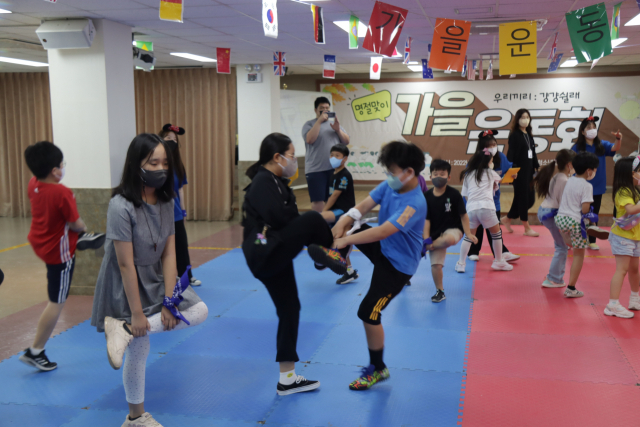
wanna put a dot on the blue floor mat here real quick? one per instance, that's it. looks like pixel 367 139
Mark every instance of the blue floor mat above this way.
pixel 30 415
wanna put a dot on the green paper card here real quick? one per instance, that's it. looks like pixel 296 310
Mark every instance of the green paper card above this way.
pixel 589 32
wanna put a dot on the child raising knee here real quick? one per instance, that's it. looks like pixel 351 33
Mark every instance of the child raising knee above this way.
pixel 446 222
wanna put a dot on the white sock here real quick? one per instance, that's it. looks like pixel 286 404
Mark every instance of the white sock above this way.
pixel 349 270
pixel 36 351
pixel 288 378
pixel 497 245
pixel 464 250
pixel 614 302
pixel 635 294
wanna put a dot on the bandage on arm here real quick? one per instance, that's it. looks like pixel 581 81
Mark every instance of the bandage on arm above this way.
pixel 358 222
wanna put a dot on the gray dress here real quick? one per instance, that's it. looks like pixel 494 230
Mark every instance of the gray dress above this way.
pixel 127 223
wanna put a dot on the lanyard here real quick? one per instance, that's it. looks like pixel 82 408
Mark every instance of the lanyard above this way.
pixel 529 143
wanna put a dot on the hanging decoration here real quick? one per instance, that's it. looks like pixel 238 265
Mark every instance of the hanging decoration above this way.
pixel 385 26
pixel 490 71
pixel 450 40
pixel 354 22
pixel 480 70
pixel 171 10
pixel 407 50
pixel 270 18
pixel 555 63
pixel 518 48
pixel 376 67
pixel 471 70
pixel 589 32
pixel 318 24
pixel 427 72
pixel 554 47
pixel 223 56
pixel 615 22
pixel 464 68
pixel 278 64
pixel 329 69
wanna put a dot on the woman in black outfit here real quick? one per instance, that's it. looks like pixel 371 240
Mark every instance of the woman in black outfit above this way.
pixel 274 234
pixel 522 153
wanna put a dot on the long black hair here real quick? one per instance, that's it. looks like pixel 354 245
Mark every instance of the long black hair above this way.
pixel 516 121
pixel 581 143
pixel 478 164
pixel 177 158
pixel 484 139
pixel 542 181
pixel 131 185
pixel 623 179
pixel 272 144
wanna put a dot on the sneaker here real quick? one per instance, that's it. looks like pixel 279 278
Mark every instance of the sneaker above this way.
pixel 41 361
pixel 634 303
pixel 194 282
pixel 618 310
pixel 460 267
pixel 408 283
pixel 319 267
pixel 369 378
pixel 549 284
pixel 439 296
pixel 300 385
pixel 474 257
pixel 328 257
pixel 594 247
pixel 501 265
pixel 90 241
pixel 573 293
pixel 118 339
pixel 347 278
pixel 509 257
pixel 145 420
pixel 597 232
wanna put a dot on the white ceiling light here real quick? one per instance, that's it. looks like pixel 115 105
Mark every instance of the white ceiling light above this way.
pixel 23 62
pixel 569 63
pixel 344 25
pixel 617 42
pixel 415 68
pixel 412 63
pixel 5 11
pixel 193 57
pixel 634 21
pixel 485 26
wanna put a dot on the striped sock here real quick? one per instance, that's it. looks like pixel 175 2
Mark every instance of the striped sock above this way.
pixel 497 245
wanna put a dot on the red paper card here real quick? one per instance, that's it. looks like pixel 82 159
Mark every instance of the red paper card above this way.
pixel 384 29
pixel 224 60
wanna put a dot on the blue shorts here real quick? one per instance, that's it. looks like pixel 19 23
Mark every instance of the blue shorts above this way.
pixel 338 213
pixel 319 183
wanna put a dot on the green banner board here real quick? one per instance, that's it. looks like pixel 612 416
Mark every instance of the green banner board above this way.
pixel 589 32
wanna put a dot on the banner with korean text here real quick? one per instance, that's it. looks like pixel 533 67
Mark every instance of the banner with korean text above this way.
pixel 445 117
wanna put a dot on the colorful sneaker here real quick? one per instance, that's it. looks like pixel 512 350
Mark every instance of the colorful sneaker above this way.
pixel 194 282
pixel 594 247
pixel 439 296
pixel 347 278
pixel 597 232
pixel 550 284
pixel 460 267
pixel 300 385
pixel 41 361
pixel 369 378
pixel 501 265
pixel 573 293
pixel 328 257
pixel 474 257
pixel 634 303
pixel 90 241
pixel 618 310
pixel 509 257
pixel 118 339
pixel 145 420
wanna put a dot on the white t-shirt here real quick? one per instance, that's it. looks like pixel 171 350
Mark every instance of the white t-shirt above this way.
pixel 480 195
pixel 576 192
pixel 556 188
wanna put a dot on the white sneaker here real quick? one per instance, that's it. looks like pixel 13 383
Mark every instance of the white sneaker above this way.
pixel 195 282
pixel 549 284
pixel 617 310
pixel 145 420
pixel 460 267
pixel 634 303
pixel 594 247
pixel 118 339
pixel 509 257
pixel 474 257
pixel 501 265
pixel 570 293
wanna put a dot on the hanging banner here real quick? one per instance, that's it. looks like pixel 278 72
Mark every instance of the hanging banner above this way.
pixel 171 10
pixel 589 32
pixel 148 46
pixel 270 18
pixel 480 70
pixel 518 48
pixel 464 68
pixel 490 71
pixel 554 47
pixel 427 73
pixel 444 117
pixel 385 26
pixel 278 64
pixel 354 22
pixel 329 69
pixel 555 63
pixel 223 56
pixel 407 50
pixel 376 67
pixel 318 24
pixel 615 22
pixel 450 40
pixel 471 70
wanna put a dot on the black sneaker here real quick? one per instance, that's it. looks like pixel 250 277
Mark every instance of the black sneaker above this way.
pixel 40 361
pixel 408 283
pixel 328 257
pixel 439 296
pixel 319 267
pixel 347 278
pixel 301 384
pixel 90 241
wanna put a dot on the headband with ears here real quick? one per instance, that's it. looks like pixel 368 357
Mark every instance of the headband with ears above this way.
pixel 592 119
pixel 636 163
pixel 175 129
pixel 488 132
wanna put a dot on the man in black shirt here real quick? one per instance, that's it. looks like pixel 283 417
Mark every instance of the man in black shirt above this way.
pixel 341 198
pixel 446 222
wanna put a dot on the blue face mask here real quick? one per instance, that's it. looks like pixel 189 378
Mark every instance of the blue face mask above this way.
pixel 335 163
pixel 395 183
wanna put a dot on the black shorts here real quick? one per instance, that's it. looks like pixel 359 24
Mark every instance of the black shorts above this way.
pixel 319 184
pixel 386 283
pixel 59 280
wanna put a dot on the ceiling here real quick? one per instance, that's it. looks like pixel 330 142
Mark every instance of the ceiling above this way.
pixel 237 24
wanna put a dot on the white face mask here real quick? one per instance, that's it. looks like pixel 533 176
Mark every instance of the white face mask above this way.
pixel 493 150
pixel 591 133
pixel 524 122
pixel 62 171
pixel 291 168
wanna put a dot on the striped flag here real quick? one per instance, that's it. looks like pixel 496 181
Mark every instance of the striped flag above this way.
pixel 318 24
pixel 554 47
pixel 171 10
pixel 278 63
pixel 407 50
pixel 471 69
pixel 615 22
pixel 480 71
pixel 329 70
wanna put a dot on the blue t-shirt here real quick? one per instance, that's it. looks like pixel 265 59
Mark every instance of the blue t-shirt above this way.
pixel 505 165
pixel 599 182
pixel 177 185
pixel 407 212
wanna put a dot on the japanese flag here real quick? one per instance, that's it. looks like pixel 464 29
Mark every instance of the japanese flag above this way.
pixel 376 67
pixel 270 18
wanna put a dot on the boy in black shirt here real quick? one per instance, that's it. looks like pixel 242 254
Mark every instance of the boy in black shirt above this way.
pixel 342 198
pixel 447 219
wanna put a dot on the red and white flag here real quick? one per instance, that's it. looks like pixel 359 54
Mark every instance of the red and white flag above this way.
pixel 278 63
pixel 329 70
pixel 554 47
pixel 480 71
pixel 223 56
pixel 471 69
pixel 376 67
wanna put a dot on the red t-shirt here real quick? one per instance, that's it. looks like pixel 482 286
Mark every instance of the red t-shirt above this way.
pixel 52 207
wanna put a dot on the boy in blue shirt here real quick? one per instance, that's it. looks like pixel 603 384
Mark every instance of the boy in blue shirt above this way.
pixel 394 247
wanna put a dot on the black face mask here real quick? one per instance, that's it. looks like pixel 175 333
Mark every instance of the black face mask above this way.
pixel 172 145
pixel 438 181
pixel 154 179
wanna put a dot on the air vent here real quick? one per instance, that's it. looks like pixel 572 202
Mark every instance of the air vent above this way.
pixel 473 10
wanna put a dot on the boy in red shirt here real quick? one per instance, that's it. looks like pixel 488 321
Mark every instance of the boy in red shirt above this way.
pixel 55 225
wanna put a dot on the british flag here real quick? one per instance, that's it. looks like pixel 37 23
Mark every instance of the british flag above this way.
pixel 554 47
pixel 278 63
pixel 407 50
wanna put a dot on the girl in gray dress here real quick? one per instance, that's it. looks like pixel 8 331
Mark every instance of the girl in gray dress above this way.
pixel 139 269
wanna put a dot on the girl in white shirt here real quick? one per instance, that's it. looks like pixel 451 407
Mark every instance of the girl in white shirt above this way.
pixel 480 182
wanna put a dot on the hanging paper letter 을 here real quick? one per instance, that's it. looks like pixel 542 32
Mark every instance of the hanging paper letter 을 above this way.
pixel 450 39
pixel 384 28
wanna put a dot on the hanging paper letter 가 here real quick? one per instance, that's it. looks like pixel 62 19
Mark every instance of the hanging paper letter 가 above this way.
pixel 385 26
